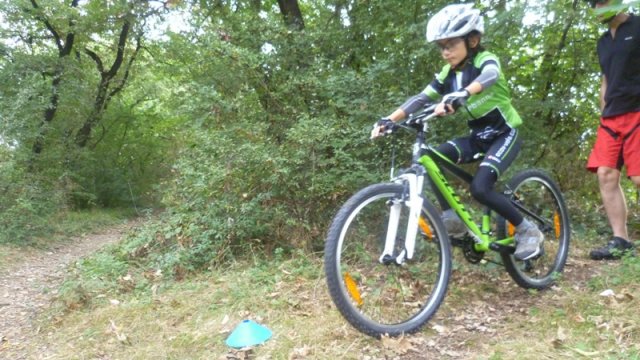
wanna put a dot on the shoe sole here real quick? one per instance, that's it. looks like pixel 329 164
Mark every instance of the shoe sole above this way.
pixel 529 257
pixel 539 250
pixel 626 252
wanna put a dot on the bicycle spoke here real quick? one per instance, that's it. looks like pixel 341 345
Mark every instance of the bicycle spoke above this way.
pixel 539 199
pixel 379 297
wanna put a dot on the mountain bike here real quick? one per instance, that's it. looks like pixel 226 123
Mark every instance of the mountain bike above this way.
pixel 388 257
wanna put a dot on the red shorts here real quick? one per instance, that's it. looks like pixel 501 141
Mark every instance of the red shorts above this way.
pixel 617 144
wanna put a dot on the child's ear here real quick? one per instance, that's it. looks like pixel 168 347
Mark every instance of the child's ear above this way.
pixel 474 41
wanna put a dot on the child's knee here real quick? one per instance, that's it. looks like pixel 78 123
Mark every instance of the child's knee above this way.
pixel 482 184
pixel 479 192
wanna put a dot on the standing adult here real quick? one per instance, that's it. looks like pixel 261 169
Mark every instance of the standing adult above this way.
pixel 618 137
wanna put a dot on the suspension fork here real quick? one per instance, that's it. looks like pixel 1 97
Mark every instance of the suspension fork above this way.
pixel 414 181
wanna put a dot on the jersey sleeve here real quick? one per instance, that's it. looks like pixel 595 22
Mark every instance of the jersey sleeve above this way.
pixel 486 59
pixel 489 69
pixel 415 103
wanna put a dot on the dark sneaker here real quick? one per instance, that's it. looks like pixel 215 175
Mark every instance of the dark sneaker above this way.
pixel 528 243
pixel 613 250
pixel 455 227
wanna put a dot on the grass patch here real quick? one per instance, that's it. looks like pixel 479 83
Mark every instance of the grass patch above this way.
pixel 192 319
pixel 577 320
pixel 112 308
pixel 485 316
pixel 83 222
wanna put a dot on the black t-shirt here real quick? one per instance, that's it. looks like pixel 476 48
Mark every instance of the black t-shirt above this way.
pixel 620 63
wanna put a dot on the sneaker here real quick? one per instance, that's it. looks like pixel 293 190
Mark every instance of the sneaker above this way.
pixel 455 227
pixel 529 241
pixel 613 250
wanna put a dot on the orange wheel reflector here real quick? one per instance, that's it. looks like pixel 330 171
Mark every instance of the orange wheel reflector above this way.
pixel 425 228
pixel 511 230
pixel 556 223
pixel 352 288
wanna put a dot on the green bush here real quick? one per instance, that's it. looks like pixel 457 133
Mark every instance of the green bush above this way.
pixel 26 205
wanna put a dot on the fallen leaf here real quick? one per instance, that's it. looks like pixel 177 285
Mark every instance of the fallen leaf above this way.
pixel 588 354
pixel 400 345
pixel 561 337
pixel 624 297
pixel 300 353
pixel 578 318
pixel 562 334
pixel 557 344
pixel 118 333
pixel 439 329
pixel 607 293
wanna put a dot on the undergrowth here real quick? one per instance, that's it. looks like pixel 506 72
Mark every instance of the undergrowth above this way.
pixel 135 312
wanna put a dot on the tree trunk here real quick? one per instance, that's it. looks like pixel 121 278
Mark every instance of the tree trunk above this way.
pixel 104 93
pixel 64 49
pixel 291 13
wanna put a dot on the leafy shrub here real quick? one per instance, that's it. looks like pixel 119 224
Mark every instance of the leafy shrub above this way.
pixel 25 206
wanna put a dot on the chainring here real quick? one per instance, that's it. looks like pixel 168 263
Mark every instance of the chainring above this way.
pixel 470 253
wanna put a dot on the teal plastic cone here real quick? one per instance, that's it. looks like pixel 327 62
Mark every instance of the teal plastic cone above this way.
pixel 248 333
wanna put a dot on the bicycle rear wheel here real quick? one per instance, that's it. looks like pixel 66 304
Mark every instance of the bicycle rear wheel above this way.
pixel 379 298
pixel 539 199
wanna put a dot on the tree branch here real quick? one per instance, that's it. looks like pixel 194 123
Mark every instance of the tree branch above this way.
pixel 48 25
pixel 95 58
pixel 121 84
pixel 122 42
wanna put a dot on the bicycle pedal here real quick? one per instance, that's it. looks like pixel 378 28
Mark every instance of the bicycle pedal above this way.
pixel 457 242
pixel 503 249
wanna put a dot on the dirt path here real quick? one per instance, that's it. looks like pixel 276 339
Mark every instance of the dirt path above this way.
pixel 28 286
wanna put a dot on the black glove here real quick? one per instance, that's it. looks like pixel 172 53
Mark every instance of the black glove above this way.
pixel 388 125
pixel 456 98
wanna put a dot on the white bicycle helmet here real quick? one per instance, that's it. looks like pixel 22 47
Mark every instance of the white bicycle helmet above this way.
pixel 454 21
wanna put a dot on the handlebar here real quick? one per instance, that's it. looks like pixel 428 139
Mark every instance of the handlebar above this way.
pixel 413 122
pixel 419 121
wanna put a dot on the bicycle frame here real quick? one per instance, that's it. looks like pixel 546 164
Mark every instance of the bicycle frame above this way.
pixel 432 162
pixel 427 161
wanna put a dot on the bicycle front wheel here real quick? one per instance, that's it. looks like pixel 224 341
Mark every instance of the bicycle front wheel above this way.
pixel 539 199
pixel 378 298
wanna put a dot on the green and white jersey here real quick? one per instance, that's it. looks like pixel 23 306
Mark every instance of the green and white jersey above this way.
pixel 490 108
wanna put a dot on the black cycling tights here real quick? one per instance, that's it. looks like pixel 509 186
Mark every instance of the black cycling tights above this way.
pixel 482 189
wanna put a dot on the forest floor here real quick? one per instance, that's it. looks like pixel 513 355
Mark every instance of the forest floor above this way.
pixel 485 315
pixel 30 279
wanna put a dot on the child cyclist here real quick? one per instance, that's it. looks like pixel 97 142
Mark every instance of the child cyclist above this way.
pixel 472 78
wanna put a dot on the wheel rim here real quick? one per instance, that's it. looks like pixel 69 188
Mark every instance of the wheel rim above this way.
pixel 387 295
pixel 539 196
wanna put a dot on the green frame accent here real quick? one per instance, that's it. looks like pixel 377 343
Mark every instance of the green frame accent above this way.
pixel 451 197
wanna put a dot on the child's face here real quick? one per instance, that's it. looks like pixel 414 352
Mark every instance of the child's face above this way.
pixel 453 50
